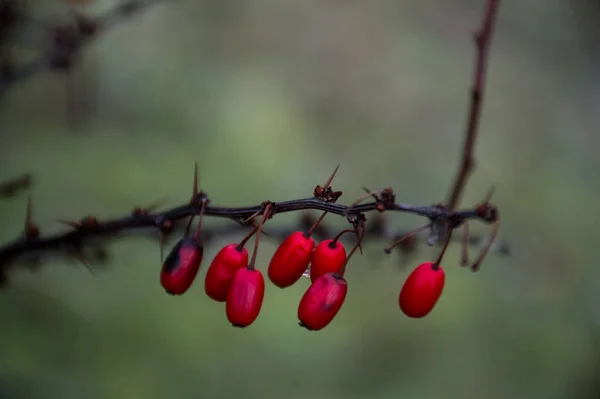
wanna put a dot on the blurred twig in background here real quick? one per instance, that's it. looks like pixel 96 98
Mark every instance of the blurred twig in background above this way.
pixel 65 40
pixel 14 186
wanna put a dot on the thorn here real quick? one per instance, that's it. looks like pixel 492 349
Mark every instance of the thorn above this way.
pixel 195 187
pixel 328 182
pixel 370 192
pixel 360 242
pixel 388 249
pixel 150 208
pixel 79 256
pixel 75 225
pixel 31 231
pixel 28 213
pixel 464 259
pixel 364 197
pixel 360 235
pixel 488 197
pixel 485 250
pixel 156 204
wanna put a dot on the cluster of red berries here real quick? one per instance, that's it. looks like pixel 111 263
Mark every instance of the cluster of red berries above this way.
pixel 232 278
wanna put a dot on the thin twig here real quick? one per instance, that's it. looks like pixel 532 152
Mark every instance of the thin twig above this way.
pixel 483 39
pixel 68 40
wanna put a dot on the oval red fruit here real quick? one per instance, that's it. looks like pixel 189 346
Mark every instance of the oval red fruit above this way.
pixel 245 297
pixel 322 301
pixel 291 259
pixel 222 270
pixel 181 266
pixel 421 290
pixel 328 257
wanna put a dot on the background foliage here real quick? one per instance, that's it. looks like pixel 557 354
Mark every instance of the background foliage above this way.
pixel 269 96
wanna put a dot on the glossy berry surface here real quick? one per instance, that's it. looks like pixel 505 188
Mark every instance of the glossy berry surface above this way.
pixel 322 301
pixel 421 290
pixel 329 256
pixel 245 297
pixel 181 266
pixel 222 270
pixel 291 259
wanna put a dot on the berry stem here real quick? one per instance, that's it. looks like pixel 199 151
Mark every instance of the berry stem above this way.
pixel 199 225
pixel 315 225
pixel 245 240
pixel 354 248
pixel 333 242
pixel 265 216
pixel 436 265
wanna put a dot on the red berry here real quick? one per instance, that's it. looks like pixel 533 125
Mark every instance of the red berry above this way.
pixel 181 266
pixel 291 259
pixel 421 290
pixel 329 256
pixel 245 297
pixel 222 270
pixel 322 301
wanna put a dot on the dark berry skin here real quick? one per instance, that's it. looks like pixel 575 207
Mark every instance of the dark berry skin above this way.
pixel 329 256
pixel 291 259
pixel 222 270
pixel 181 266
pixel 322 301
pixel 245 297
pixel 421 290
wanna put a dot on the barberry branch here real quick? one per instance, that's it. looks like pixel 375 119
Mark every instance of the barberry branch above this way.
pixel 483 38
pixel 90 227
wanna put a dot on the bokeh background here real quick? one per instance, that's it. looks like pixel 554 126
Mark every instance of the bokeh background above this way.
pixel 269 96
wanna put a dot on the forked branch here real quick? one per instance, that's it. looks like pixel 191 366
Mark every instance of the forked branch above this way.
pixel 483 40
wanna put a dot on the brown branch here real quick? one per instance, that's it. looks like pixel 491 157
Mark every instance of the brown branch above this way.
pixel 377 229
pixel 90 227
pixel 483 40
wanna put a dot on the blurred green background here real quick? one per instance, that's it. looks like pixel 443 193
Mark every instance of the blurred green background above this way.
pixel 268 96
